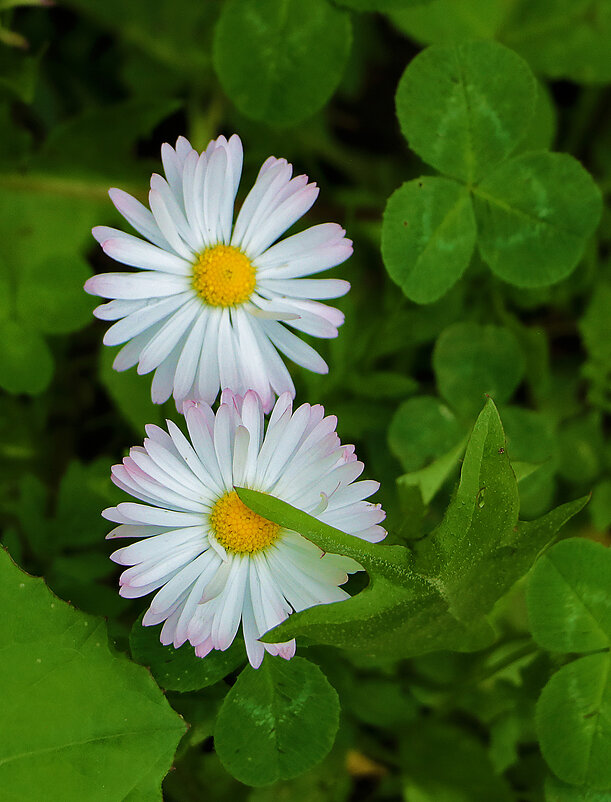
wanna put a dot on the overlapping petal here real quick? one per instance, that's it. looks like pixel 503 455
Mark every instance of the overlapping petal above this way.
pixel 205 592
pixel 209 348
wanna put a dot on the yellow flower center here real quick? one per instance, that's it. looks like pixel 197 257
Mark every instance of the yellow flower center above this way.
pixel 223 276
pixel 239 529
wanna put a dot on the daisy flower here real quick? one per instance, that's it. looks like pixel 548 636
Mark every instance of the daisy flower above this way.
pixel 215 301
pixel 212 561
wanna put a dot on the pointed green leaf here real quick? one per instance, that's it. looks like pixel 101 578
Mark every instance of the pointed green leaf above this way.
pixel 464 108
pixel 76 720
pixel 438 598
pixel 276 721
pixel 428 236
pixel 431 478
pixel 535 213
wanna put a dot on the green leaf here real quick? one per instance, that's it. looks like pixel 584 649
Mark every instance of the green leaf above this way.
pixel 422 429
pixel 447 22
pixel 262 47
pixel 50 294
pixel 472 361
pixel 428 236
pixel 437 598
pixel 574 721
pixel 462 770
pixel 465 108
pixel 535 214
pixel 569 606
pixel 276 721
pixel 431 478
pixel 181 669
pixel 26 363
pixel 530 435
pixel 542 129
pixel 563 38
pixel 77 720
pixel 557 791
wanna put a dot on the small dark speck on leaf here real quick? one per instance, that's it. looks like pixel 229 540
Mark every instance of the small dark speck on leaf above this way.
pixel 592 713
pixel 502 450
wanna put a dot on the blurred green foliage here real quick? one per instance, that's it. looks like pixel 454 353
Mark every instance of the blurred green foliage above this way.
pixel 481 267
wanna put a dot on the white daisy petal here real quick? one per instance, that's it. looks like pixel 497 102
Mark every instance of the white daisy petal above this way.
pixel 137 253
pixel 203 310
pixel 211 562
pixel 138 216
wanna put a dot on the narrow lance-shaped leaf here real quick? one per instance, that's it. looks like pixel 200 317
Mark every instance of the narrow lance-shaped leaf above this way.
pixel 437 598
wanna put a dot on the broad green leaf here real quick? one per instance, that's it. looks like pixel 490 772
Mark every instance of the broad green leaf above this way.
pixel 462 771
pixel 422 429
pixel 471 361
pixel 328 781
pixel 50 294
pixel 464 108
pixel 428 236
pixel 530 435
pixel 541 132
pixel 447 22
pixel 276 721
pixel 569 605
pixel 26 363
pixel 438 598
pixel 76 720
pixel 574 721
pixel 557 791
pixel 262 47
pixel 535 214
pixel 181 669
pixel 563 38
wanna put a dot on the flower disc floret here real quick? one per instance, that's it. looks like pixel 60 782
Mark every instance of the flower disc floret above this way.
pixel 224 276
pixel 239 529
